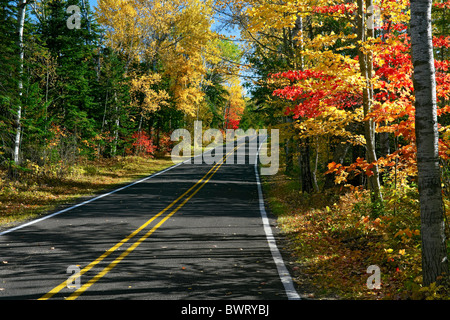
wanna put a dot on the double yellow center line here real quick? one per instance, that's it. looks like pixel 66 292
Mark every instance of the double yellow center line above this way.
pixel 188 194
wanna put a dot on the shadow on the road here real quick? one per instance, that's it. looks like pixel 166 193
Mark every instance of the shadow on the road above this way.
pixel 214 247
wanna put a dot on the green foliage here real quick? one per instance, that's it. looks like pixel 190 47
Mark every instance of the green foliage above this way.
pixel 9 64
pixel 250 117
pixel 216 98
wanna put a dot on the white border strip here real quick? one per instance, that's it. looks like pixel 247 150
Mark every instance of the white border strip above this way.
pixel 283 273
pixel 89 201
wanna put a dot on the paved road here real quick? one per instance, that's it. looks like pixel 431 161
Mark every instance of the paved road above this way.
pixel 191 232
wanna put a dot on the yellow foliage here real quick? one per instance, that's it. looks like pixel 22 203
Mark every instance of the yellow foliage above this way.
pixel 175 32
pixel 153 99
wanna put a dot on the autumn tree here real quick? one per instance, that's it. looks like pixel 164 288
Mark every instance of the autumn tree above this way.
pixel 295 27
pixel 168 59
pixel 235 105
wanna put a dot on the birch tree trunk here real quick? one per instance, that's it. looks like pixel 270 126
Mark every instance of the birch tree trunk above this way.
pixel 434 254
pixel 21 23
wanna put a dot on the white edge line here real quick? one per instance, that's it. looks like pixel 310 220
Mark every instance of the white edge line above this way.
pixel 283 272
pixel 90 200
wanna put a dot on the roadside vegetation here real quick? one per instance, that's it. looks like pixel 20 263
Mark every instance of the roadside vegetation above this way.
pixel 332 238
pixel 38 190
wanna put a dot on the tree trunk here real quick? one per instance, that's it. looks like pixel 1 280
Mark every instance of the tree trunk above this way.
pixel 289 145
pixel 21 23
pixel 316 163
pixel 297 42
pixel 116 127
pixel 365 30
pixel 434 254
pixel 306 179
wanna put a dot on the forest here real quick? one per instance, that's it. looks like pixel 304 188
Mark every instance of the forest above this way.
pixel 359 90
pixel 91 91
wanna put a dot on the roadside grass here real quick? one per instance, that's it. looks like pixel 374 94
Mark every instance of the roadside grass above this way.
pixel 42 189
pixel 333 238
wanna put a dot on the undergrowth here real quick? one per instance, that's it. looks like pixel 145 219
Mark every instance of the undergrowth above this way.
pixel 334 237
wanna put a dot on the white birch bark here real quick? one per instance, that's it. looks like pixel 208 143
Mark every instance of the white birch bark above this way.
pixel 21 23
pixel 434 255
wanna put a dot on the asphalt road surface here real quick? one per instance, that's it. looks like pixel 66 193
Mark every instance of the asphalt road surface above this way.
pixel 193 232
